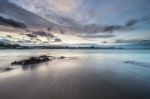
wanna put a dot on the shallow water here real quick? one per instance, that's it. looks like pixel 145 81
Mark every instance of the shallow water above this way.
pixel 86 74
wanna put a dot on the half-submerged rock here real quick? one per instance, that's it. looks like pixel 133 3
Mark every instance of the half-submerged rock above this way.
pixel 32 60
pixel 61 57
pixel 8 69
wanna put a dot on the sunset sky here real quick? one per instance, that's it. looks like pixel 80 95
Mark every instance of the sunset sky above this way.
pixel 75 21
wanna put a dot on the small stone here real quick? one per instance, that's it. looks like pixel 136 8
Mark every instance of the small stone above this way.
pixel 7 69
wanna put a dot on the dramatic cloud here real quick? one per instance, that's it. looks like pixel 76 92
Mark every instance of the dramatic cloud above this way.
pixel 9 36
pixel 42 33
pixel 46 34
pixel 93 28
pixel 103 19
pixel 80 15
pixel 131 23
pixel 85 11
pixel 16 12
pixel 57 40
pixel 13 23
pixel 31 35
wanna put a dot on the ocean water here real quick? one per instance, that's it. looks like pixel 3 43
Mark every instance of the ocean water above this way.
pixel 84 74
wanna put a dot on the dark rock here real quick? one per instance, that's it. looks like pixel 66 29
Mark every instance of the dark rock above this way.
pixel 130 62
pixel 32 60
pixel 61 57
pixel 137 63
pixel 7 69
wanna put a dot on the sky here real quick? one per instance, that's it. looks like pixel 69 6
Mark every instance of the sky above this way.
pixel 75 21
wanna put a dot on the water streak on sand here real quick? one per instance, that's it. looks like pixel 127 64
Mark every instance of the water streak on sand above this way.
pixel 94 74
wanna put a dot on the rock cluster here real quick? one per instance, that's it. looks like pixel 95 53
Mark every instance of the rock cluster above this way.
pixel 32 60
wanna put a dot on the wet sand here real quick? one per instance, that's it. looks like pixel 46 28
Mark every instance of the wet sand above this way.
pixel 89 76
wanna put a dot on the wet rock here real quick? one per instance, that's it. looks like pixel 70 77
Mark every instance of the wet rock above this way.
pixel 61 57
pixel 131 62
pixel 137 63
pixel 32 60
pixel 8 69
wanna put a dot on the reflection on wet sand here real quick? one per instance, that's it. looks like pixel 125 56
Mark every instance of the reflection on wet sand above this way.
pixel 90 76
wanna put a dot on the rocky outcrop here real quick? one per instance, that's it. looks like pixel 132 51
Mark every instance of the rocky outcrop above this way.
pixel 32 60
pixel 36 60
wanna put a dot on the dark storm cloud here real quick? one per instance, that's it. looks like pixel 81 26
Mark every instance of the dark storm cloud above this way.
pixel 11 22
pixel 84 18
pixel 31 35
pixel 59 18
pixel 16 12
pixel 146 19
pixel 45 34
pixel 57 40
pixel 38 40
pixel 131 22
pixel 9 36
pixel 42 33
pixel 44 9
pixel 112 28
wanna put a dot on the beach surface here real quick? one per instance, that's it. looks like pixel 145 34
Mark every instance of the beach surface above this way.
pixel 84 74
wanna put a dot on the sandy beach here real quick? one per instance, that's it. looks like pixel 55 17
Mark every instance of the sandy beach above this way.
pixel 88 74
